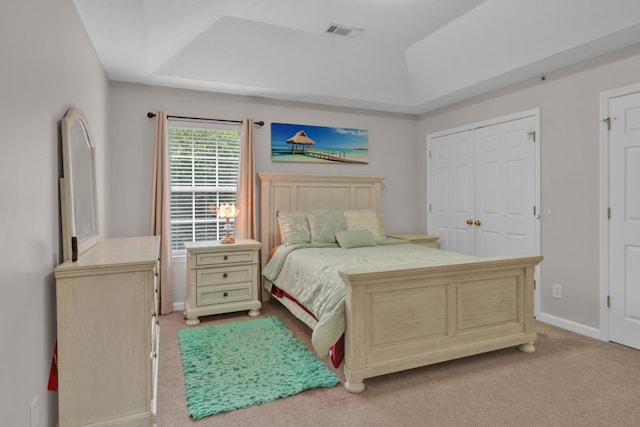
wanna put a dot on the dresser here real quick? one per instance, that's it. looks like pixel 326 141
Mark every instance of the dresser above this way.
pixel 419 239
pixel 222 278
pixel 108 334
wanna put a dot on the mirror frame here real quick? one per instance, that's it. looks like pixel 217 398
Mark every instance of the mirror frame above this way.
pixel 78 190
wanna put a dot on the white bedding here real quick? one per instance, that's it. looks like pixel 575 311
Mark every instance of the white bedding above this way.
pixel 309 273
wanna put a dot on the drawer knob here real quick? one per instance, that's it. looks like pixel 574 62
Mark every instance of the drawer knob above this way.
pixel 226 257
pixel 225 275
pixel 226 294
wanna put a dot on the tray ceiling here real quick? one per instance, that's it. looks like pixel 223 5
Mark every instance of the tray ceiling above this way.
pixel 408 56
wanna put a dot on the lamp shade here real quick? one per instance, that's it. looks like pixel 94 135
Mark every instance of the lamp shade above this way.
pixel 228 210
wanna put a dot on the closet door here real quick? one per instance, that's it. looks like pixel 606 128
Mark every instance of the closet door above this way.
pixel 451 176
pixel 505 189
pixel 482 188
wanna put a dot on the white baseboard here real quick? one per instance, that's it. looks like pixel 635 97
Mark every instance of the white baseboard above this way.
pixel 570 325
pixel 178 306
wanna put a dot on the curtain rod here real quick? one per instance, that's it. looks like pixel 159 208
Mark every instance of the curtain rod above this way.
pixel 152 115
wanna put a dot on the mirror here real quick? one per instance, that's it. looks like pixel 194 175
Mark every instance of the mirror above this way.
pixel 78 193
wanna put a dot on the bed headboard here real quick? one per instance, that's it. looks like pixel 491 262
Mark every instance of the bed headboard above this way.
pixel 302 192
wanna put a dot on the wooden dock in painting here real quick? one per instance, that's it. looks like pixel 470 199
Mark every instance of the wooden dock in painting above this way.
pixel 326 155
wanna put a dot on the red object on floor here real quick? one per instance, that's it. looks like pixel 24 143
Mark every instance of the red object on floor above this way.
pixel 337 351
pixel 53 374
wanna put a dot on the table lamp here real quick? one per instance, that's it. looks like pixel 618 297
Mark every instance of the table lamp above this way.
pixel 228 211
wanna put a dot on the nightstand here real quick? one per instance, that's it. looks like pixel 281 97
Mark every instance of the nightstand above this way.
pixel 419 239
pixel 222 278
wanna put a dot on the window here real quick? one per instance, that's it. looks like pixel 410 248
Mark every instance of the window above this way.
pixel 204 160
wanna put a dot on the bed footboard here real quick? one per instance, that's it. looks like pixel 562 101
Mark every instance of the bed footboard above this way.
pixel 398 319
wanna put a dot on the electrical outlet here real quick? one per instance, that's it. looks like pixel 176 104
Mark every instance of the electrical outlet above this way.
pixel 557 291
pixel 33 411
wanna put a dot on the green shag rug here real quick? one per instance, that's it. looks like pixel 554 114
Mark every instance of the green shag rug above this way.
pixel 235 365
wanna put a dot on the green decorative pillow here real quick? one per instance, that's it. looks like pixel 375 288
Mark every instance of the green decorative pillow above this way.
pixel 365 219
pixel 294 227
pixel 324 224
pixel 355 239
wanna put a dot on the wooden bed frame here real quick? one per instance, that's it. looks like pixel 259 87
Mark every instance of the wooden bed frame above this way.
pixel 403 318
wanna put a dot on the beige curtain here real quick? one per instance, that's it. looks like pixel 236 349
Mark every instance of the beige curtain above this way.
pixel 159 221
pixel 245 225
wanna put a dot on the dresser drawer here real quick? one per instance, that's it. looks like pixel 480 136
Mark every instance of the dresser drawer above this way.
pixel 155 327
pixel 223 275
pixel 208 295
pixel 222 258
pixel 156 294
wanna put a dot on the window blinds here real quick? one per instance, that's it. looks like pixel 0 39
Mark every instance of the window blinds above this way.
pixel 204 160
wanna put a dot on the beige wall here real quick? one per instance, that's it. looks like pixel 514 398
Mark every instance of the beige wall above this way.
pixel 392 151
pixel 570 123
pixel 569 102
pixel 47 65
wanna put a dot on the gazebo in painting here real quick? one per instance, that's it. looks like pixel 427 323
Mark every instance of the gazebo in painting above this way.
pixel 300 138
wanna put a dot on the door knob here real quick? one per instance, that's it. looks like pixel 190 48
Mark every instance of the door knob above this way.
pixel 469 222
pixel 478 223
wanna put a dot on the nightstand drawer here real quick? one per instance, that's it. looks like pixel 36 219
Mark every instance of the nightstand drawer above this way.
pixel 223 275
pixel 221 258
pixel 208 295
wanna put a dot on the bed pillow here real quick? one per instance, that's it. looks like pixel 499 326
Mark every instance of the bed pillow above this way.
pixel 355 239
pixel 365 219
pixel 324 224
pixel 294 227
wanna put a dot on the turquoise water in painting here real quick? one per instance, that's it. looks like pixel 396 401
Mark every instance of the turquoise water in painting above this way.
pixel 283 154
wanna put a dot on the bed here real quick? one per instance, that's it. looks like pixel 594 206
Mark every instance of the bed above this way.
pixel 400 316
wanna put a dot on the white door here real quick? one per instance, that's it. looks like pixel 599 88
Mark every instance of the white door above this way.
pixel 624 225
pixel 505 189
pixel 482 189
pixel 451 176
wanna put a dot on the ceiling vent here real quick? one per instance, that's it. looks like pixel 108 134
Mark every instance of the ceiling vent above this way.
pixel 343 31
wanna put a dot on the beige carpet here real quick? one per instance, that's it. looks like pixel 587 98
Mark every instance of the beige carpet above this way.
pixel 570 380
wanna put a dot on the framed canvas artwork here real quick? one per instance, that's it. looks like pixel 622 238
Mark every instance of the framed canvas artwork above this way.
pixel 318 144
